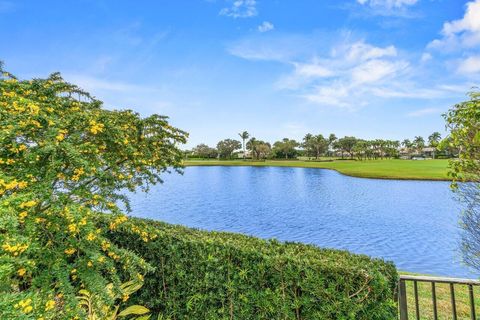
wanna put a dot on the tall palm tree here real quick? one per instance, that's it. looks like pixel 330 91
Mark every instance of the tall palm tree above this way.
pixel 244 135
pixel 434 139
pixel 252 145
pixel 419 143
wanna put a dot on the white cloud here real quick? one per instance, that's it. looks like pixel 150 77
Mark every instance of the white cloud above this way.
pixel 460 39
pixel 312 70
pixel 375 70
pixel 241 9
pixel 266 26
pixel 426 57
pixel 349 76
pixel 343 71
pixel 423 112
pixel 388 4
pixel 462 33
pixel 470 65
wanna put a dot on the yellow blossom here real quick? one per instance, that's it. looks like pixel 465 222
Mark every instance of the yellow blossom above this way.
pixel 70 251
pixel 28 204
pixel 49 305
pixel 91 236
pixel 96 127
pixel 72 228
pixel 21 272
pixel 23 215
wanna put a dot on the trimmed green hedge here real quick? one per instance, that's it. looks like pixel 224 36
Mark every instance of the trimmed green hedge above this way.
pixel 216 275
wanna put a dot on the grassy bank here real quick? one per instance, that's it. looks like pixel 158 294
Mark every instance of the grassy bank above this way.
pixel 444 306
pixel 381 169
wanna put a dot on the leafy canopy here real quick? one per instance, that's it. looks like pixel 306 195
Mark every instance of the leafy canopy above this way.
pixel 463 120
pixel 64 160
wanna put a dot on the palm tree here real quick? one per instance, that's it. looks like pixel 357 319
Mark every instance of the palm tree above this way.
pixel 252 145
pixel 419 143
pixel 434 139
pixel 244 135
pixel 407 143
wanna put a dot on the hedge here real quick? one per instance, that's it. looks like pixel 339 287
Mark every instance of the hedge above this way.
pixel 218 275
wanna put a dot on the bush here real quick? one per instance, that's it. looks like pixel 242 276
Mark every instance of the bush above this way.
pixel 216 275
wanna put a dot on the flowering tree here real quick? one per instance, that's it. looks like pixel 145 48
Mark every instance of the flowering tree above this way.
pixel 64 162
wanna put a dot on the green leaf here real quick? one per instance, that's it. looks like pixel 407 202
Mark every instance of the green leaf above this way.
pixel 135 310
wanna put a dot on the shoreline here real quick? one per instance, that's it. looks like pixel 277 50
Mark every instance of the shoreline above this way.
pixel 352 168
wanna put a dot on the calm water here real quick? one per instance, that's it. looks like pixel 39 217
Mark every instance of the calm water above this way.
pixel 413 223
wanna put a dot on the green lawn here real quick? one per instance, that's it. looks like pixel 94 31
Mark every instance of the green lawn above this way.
pixel 383 169
pixel 444 305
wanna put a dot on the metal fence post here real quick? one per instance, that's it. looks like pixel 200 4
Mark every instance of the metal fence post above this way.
pixel 402 300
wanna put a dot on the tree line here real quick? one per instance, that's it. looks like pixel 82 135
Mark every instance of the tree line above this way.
pixel 317 146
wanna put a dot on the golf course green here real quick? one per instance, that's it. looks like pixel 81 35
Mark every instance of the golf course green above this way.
pixel 380 169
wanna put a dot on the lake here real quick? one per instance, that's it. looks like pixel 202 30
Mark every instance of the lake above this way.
pixel 412 223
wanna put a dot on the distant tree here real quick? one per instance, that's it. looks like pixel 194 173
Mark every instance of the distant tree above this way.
pixel 419 143
pixel 263 150
pixel 285 148
pixel 259 149
pixel 307 145
pixel 315 145
pixel 252 145
pixel 392 147
pixel 463 120
pixel 346 144
pixel 361 149
pixel 204 151
pixel 407 144
pixel 227 147
pixel 434 139
pixel 244 135
pixel 331 141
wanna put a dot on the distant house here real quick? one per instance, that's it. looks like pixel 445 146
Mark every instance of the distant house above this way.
pixel 411 153
pixel 429 152
pixel 248 154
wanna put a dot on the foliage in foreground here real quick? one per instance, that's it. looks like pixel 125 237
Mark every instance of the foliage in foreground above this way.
pixel 214 275
pixel 463 120
pixel 63 161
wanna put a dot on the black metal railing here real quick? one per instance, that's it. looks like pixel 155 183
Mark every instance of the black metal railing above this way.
pixel 402 294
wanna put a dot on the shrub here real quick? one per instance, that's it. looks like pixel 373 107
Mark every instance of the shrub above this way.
pixel 63 160
pixel 216 275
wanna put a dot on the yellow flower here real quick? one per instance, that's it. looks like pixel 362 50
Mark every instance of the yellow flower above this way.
pixel 125 297
pixel 21 272
pixel 49 305
pixel 96 127
pixel 70 251
pixel 23 215
pixel 24 303
pixel 91 236
pixel 28 204
pixel 72 228
pixel 27 309
pixel 90 264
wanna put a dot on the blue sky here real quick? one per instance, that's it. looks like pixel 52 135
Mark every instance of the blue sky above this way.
pixel 276 68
